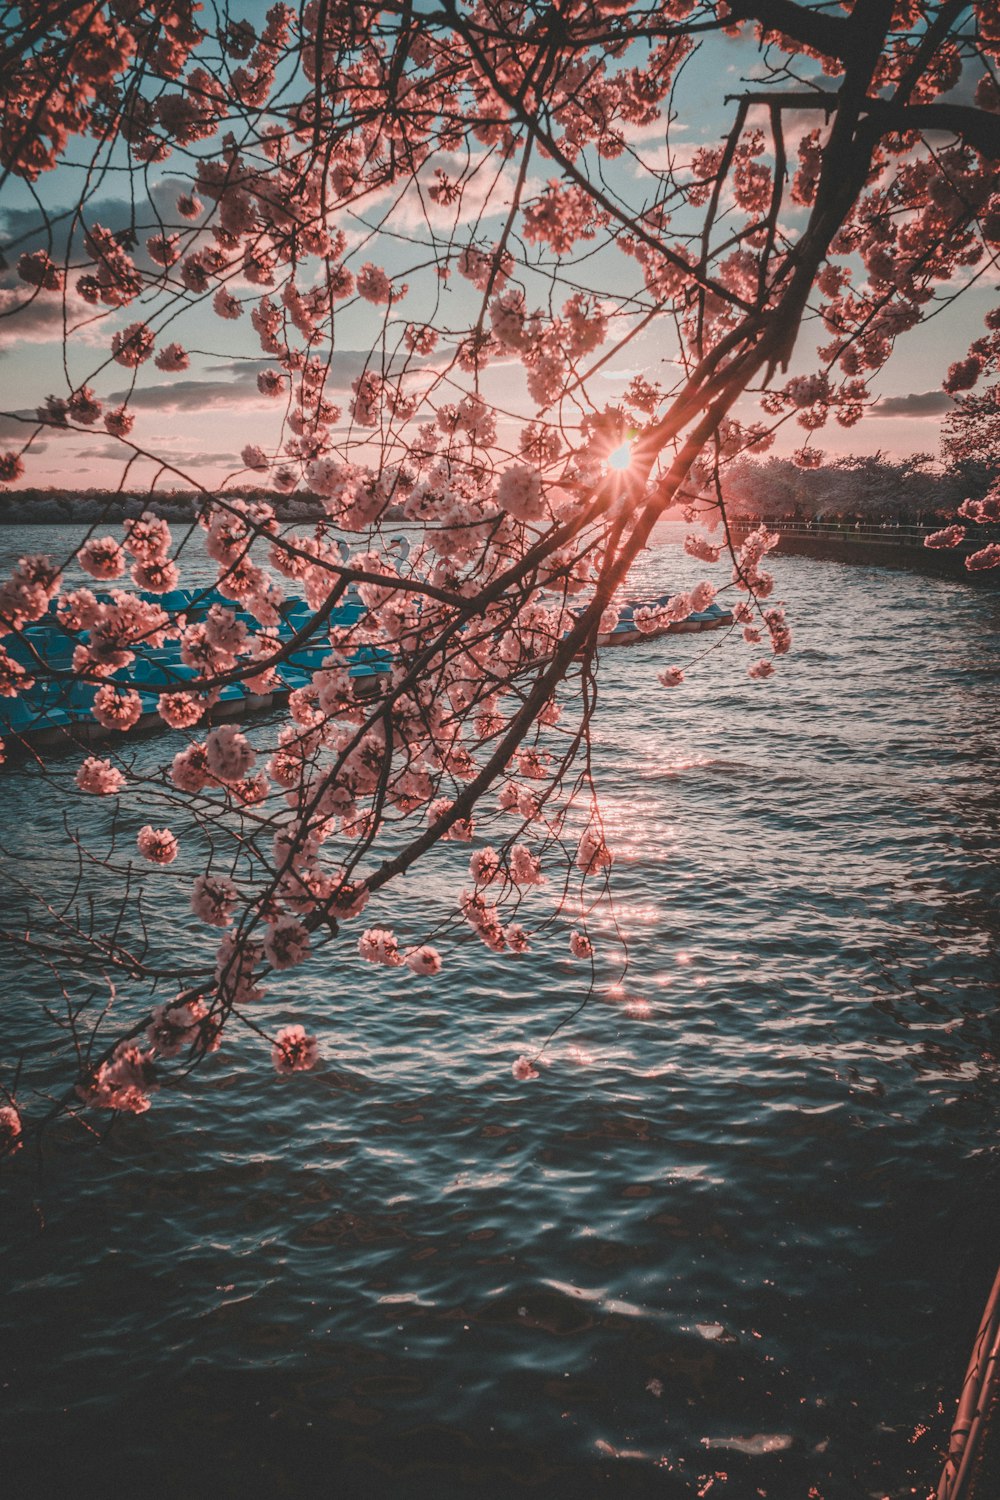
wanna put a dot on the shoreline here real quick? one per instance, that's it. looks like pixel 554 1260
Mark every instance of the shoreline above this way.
pixel 114 513
pixel 182 509
pixel 898 548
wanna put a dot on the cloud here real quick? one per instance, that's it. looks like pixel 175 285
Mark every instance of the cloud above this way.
pixel 9 434
pixel 45 318
pixel 207 460
pixel 237 391
pixel 30 229
pixel 179 460
pixel 916 404
pixel 11 427
pixel 342 365
pixel 239 367
pixel 620 375
pixel 652 130
pixel 488 187
pixel 487 182
pixel 193 395
pixel 109 450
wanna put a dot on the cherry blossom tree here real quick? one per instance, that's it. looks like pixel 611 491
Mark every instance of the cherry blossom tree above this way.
pixel 516 196
pixel 970 438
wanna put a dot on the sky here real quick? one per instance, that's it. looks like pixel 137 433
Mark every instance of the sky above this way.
pixel 200 420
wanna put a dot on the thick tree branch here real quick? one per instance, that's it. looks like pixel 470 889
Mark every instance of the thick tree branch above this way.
pixel 829 34
pixel 976 127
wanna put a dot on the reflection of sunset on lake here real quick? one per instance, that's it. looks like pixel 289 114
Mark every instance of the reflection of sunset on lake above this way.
pixel 499 548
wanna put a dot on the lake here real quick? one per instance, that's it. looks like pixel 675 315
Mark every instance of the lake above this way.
pixel 736 1238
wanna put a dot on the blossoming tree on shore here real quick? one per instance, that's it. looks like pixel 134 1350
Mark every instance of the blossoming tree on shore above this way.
pixel 512 195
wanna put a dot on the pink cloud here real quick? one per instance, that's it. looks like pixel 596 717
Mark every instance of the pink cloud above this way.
pixel 487 191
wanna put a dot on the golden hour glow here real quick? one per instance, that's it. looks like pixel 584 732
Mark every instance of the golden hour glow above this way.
pixel 621 457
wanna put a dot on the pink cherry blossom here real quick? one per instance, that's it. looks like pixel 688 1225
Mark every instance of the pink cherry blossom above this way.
pixel 14 679
pixel 236 980
pixel 950 536
pixel 294 1051
pixel 286 944
pixel 37 268
pixel 963 374
pixel 461 830
pixel 379 946
pixel 271 383
pixel 484 866
pixel 580 945
pixel 132 345
pixel 697 546
pixel 524 866
pixel 176 1026
pixel 523 1070
pixel 228 753
pixel 213 899
pixel 778 630
pixel 806 390
pixel 84 407
pixel 10 1130
pixel 102 557
pixel 986 557
pixel 519 493
pixel 147 537
pixel 116 707
pixel 99 777
pixel 255 458
pixel 761 669
pixel 189 769
pixel 808 458
pixel 180 710
pixel 373 284
pixel 172 358
pixel 163 248
pixel 424 960
pixel 158 845
pixel 123 1083
pixel 157 577
pixel 516 938
pixel 119 422
pixel 592 853
pixel 225 305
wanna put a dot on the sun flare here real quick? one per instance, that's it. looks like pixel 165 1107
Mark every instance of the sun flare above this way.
pixel 621 457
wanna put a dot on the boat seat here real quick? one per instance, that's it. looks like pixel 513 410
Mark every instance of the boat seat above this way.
pixel 293 677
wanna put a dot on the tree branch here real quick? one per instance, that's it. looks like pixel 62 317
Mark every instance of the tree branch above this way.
pixel 828 34
pixel 976 127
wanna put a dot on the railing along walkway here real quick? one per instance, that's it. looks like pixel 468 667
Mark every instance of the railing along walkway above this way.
pixel 903 534
pixel 978 1391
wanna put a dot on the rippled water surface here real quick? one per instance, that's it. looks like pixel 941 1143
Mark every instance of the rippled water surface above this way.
pixel 736 1238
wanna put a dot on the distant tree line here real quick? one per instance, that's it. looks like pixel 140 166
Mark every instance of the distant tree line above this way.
pixel 870 488
pixel 49 506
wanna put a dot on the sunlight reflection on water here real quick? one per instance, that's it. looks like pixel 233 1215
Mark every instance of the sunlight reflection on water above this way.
pixel 705 1226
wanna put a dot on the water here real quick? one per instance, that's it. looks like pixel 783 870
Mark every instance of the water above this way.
pixel 736 1238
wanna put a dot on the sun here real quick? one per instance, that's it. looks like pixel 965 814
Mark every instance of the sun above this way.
pixel 621 457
